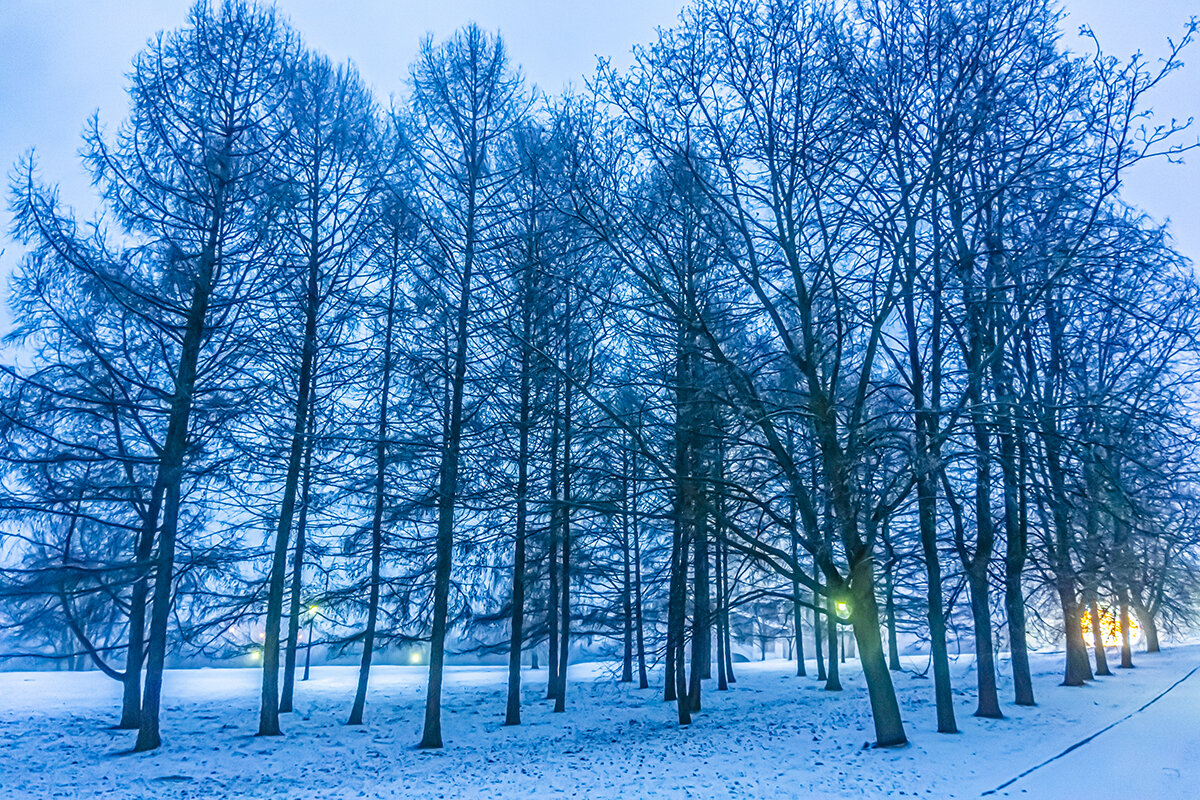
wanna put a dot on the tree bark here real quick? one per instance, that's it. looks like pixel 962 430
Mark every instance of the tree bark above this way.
pixel 822 675
pixel 722 676
pixel 864 612
pixel 676 688
pixel 1098 636
pixel 797 604
pixel 431 737
pixel 981 341
pixel 552 603
pixel 1126 649
pixel 833 682
pixel 131 694
pixel 643 679
pixel 268 718
pixel 564 639
pixel 701 652
pixel 512 714
pixel 985 657
pixel 293 643
pixel 890 612
pixel 1147 625
pixel 729 676
pixel 927 466
pixel 626 578
pixel 927 513
pixel 1016 547
pixel 1078 667
pixel 171 477
pixel 364 669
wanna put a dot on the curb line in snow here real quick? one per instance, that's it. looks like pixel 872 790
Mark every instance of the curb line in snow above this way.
pixel 1082 742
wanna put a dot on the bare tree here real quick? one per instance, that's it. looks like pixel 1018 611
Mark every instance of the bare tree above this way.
pixel 465 102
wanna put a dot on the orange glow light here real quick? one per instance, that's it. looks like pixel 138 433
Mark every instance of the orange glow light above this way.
pixel 1110 627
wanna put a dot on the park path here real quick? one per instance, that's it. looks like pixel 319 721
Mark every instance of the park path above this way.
pixel 1152 754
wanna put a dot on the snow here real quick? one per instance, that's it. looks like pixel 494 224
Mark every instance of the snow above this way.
pixel 772 736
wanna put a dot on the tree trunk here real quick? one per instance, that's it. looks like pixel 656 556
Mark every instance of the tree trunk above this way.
pixel 675 616
pixel 131 694
pixel 1078 667
pixel 564 639
pixel 980 342
pixel 701 652
pixel 885 710
pixel 928 460
pixel 722 676
pixel 1126 649
pixel 685 508
pixel 729 676
pixel 293 643
pixel 721 579
pixel 985 657
pixel 890 611
pixel 1148 626
pixel 512 714
pixel 171 477
pixel 833 682
pixel 1091 562
pixel 364 669
pixel 643 679
pixel 268 718
pixel 797 603
pixel 148 733
pixel 669 658
pixel 677 688
pixel 819 647
pixel 1016 549
pixel 431 737
pixel 626 578
pixel 927 515
pixel 552 603
pixel 1098 636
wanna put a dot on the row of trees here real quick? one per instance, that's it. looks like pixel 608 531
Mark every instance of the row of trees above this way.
pixel 815 314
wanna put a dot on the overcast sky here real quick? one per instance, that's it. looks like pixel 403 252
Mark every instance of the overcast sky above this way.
pixel 62 59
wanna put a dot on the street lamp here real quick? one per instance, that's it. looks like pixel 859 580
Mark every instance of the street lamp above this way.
pixel 843 612
pixel 312 615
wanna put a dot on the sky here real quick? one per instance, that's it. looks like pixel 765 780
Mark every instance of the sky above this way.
pixel 61 60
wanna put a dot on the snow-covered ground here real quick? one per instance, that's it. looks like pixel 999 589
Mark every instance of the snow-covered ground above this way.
pixel 772 736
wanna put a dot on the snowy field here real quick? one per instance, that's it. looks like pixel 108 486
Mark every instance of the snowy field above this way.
pixel 772 736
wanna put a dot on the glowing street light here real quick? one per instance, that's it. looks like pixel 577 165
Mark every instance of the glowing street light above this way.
pixel 842 607
pixel 1110 627
pixel 312 616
